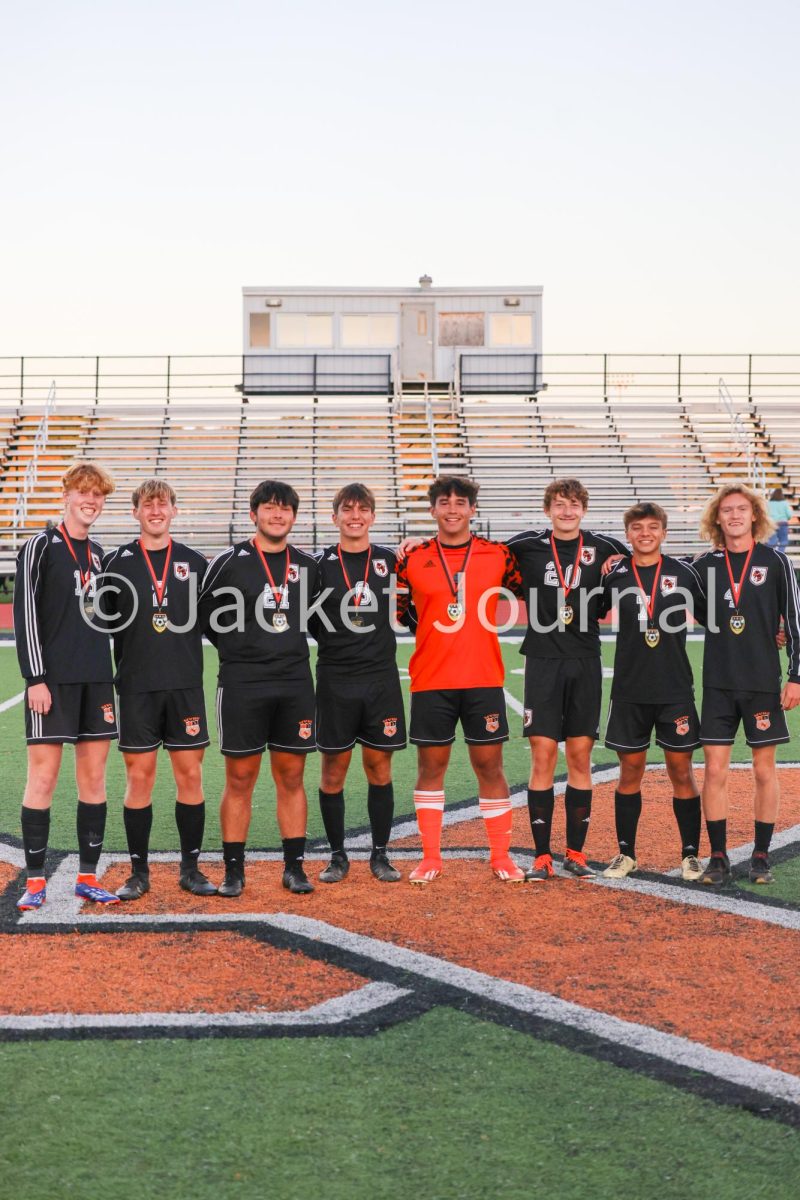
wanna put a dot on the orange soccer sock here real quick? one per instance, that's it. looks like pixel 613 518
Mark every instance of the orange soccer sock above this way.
pixel 497 816
pixel 430 811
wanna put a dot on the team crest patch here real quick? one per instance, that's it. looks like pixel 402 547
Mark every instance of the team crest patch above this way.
pixel 181 570
pixel 682 726
pixel 108 713
pixel 192 726
pixel 758 575
pixel 588 555
pixel 304 729
pixel 492 722
pixel 389 726
pixel 294 573
pixel 95 561
pixel 380 566
pixel 762 720
pixel 668 584
pixel 528 718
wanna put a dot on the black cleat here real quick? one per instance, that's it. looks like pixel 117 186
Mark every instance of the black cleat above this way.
pixel 233 883
pixel 337 869
pixel 194 881
pixel 759 869
pixel 382 869
pixel 295 879
pixel 135 886
pixel 718 870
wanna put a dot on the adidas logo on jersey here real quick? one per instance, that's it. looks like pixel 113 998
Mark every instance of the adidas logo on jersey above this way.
pixel 126 554
pixel 56 538
pixel 429 563
pixel 243 552
pixel 332 558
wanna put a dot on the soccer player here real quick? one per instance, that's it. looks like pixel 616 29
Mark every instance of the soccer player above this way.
pixel 358 688
pixel 751 588
pixel 149 598
pixel 457 670
pixel 561 574
pixel 653 686
pixel 66 664
pixel 265 697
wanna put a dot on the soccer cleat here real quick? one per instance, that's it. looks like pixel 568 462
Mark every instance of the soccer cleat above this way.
pixel 426 871
pixel 506 870
pixel 759 869
pixel 32 898
pixel 337 869
pixel 87 888
pixel 194 881
pixel 575 863
pixel 382 869
pixel 691 868
pixel 233 883
pixel 542 868
pixel 135 886
pixel 718 870
pixel 295 879
pixel 620 867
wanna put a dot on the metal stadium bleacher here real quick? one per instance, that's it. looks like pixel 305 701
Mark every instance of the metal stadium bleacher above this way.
pixel 632 427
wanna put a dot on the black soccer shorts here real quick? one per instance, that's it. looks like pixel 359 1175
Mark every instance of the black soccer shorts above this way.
pixel 176 719
pixel 254 717
pixel 562 698
pixel 630 725
pixel 80 712
pixel 481 711
pixel 369 711
pixel 760 712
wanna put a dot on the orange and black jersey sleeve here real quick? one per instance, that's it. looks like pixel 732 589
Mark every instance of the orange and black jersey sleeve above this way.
pixel 55 644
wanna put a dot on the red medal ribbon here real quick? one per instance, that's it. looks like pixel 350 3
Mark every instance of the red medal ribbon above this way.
pixel 277 592
pixel 453 583
pixel 736 588
pixel 651 604
pixel 358 596
pixel 87 574
pixel 566 589
pixel 159 585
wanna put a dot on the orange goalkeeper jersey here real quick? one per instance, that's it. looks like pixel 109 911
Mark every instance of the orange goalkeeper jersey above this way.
pixel 461 653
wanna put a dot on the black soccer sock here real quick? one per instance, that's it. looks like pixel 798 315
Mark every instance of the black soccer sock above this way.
pixel 233 855
pixel 191 822
pixel 578 802
pixel 627 810
pixel 91 830
pixel 688 816
pixel 718 836
pixel 294 850
pixel 764 832
pixel 138 823
pixel 380 806
pixel 331 806
pixel 541 803
pixel 35 832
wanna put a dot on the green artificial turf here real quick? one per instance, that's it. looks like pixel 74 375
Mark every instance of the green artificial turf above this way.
pixel 786 885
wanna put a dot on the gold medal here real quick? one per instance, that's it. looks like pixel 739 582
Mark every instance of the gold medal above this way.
pixel 356 620
pixel 565 614
pixel 280 622
pixel 88 605
pixel 652 637
pixel 455 610
pixel 737 623
pixel 159 621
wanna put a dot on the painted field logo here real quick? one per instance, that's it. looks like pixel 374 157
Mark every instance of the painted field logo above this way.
pixel 758 575
pixel 762 720
pixel 181 570
pixel 381 568
pixel 588 555
pixel 682 726
pixel 108 713
pixel 192 726
pixel 492 722
pixel 304 729
pixel 389 726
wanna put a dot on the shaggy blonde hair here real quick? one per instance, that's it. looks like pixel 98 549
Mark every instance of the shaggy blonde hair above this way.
pixel 153 489
pixel 709 522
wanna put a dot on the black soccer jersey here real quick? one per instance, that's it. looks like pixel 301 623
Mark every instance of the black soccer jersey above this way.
pixel 151 654
pixel 749 660
pixel 256 626
pixel 344 650
pixel 659 673
pixel 540 579
pixel 55 644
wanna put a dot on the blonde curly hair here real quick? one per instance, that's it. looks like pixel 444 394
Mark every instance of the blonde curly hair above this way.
pixel 709 522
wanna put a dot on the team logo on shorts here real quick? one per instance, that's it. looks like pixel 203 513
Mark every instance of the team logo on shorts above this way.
pixel 492 722
pixel 668 584
pixel 181 570
pixel 108 713
pixel 293 574
pixel 528 718
pixel 192 726
pixel 682 726
pixel 588 555
pixel 304 729
pixel 762 720
pixel 389 726
pixel 380 567
pixel 758 575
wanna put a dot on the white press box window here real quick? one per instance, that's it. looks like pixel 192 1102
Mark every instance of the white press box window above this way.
pixel 296 331
pixel 507 329
pixel 369 330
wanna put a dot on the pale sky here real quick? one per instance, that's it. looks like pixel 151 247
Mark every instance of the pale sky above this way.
pixel 638 160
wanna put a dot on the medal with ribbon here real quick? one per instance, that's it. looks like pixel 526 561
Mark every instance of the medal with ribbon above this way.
pixel 359 595
pixel 455 609
pixel 87 597
pixel 566 611
pixel 652 636
pixel 737 621
pixel 280 595
pixel 160 618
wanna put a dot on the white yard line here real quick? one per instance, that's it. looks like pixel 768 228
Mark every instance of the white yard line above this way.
pixel 12 702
